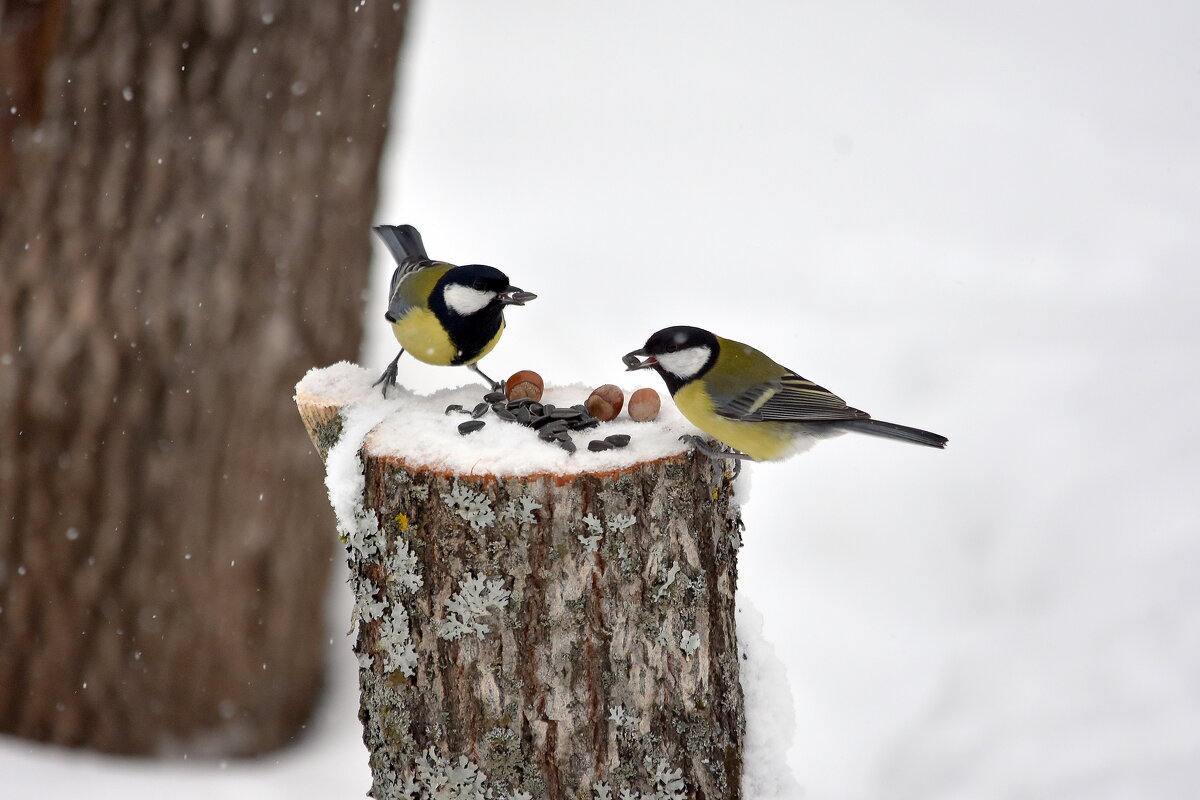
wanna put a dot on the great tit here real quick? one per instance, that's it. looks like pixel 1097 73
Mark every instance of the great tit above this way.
pixel 443 314
pixel 742 398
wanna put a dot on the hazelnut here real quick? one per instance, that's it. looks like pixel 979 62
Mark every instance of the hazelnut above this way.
pixel 644 405
pixel 525 383
pixel 605 403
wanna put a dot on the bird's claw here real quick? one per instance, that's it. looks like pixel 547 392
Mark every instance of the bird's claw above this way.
pixel 702 446
pixel 388 379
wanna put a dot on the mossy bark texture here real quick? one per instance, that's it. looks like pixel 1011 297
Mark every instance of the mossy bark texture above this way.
pixel 548 636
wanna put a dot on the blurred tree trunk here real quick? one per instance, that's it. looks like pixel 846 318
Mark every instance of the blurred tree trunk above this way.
pixel 185 195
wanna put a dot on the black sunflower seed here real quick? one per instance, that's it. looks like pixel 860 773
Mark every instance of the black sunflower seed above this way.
pixel 505 414
pixel 551 430
pixel 541 422
pixel 493 397
pixel 617 439
pixel 452 408
pixel 568 445
pixel 470 426
pixel 480 410
pixel 596 445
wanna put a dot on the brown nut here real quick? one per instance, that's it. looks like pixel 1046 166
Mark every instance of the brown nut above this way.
pixel 605 403
pixel 525 383
pixel 644 405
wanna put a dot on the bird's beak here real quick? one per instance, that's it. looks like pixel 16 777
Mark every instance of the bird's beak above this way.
pixel 634 361
pixel 516 297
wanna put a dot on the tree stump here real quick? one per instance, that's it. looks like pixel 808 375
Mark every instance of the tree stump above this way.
pixel 549 634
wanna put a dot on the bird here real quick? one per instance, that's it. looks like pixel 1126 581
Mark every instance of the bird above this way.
pixel 743 399
pixel 443 314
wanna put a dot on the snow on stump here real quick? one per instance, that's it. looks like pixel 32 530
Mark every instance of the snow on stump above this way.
pixel 533 623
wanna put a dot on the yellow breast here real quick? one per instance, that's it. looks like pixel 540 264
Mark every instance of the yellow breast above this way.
pixel 421 335
pixel 762 441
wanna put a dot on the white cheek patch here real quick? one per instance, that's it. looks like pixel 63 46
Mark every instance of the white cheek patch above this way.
pixel 685 363
pixel 463 300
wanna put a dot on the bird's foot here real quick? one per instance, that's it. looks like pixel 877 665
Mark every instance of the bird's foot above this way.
pixel 388 378
pixel 494 386
pixel 703 446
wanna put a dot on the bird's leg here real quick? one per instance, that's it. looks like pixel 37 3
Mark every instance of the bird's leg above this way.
pixel 702 446
pixel 495 387
pixel 388 378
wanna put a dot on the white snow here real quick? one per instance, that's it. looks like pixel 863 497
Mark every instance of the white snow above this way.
pixel 416 428
pixel 770 716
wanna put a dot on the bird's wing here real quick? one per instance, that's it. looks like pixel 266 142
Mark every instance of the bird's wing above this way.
pixel 412 285
pixel 787 398
pixel 405 245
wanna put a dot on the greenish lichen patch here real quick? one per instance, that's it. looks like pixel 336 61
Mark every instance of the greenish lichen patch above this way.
pixel 474 507
pixel 476 598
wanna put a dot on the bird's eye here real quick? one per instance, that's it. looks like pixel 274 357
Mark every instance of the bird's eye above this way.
pixel 672 348
pixel 477 284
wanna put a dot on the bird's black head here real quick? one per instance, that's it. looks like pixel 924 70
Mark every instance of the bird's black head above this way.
pixel 679 354
pixel 469 301
pixel 477 289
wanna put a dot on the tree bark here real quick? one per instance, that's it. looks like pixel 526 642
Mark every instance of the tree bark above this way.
pixel 186 190
pixel 545 636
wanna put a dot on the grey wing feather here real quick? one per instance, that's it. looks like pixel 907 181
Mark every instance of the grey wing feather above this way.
pixel 405 244
pixel 789 398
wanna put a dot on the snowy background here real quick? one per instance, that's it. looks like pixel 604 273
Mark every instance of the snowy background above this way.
pixel 979 219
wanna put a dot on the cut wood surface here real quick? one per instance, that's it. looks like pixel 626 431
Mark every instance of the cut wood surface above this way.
pixel 562 633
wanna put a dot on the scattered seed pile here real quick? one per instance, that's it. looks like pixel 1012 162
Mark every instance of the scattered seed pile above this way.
pixel 417 428
pixel 553 424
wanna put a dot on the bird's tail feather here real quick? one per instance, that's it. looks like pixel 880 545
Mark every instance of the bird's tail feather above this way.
pixel 891 430
pixel 403 241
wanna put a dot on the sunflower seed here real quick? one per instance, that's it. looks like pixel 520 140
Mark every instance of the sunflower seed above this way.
pixel 567 413
pixel 617 439
pixel 568 445
pixel 494 397
pixel 470 426
pixel 553 428
pixel 596 445
pixel 505 414
pixel 452 408
pixel 541 422
pixel 479 410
